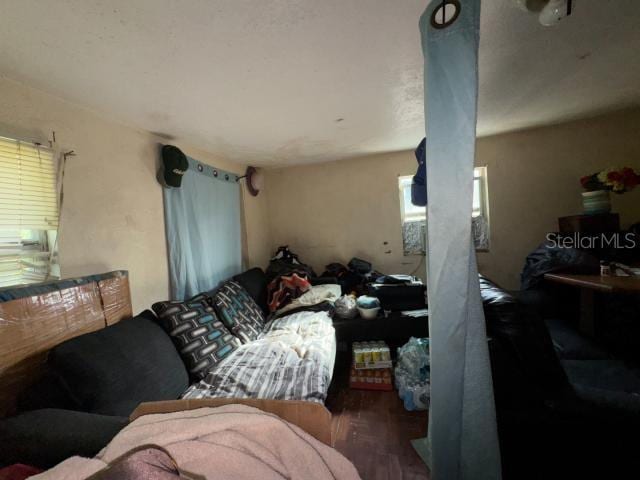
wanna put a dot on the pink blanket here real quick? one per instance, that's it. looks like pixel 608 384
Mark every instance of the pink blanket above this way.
pixel 229 442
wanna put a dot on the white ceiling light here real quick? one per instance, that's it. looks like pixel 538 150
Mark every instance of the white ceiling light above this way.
pixel 550 12
pixel 554 11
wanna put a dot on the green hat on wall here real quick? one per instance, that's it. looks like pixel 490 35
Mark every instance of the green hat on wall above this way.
pixel 174 166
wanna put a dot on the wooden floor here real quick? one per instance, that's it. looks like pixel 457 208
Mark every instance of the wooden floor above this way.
pixel 373 430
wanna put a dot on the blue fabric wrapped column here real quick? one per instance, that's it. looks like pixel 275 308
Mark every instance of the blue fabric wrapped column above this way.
pixel 463 440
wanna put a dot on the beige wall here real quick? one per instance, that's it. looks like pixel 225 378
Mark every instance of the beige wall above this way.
pixel 112 217
pixel 257 232
pixel 331 212
pixel 534 179
pixel 334 211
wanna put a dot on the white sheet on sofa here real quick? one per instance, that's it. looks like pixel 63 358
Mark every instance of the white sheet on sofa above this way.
pixel 292 360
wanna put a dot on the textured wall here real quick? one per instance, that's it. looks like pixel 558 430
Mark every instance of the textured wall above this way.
pixel 534 176
pixel 112 217
pixel 333 211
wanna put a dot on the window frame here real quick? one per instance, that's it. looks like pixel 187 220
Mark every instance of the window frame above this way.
pixel 404 182
pixel 33 250
pixel 480 174
pixel 404 192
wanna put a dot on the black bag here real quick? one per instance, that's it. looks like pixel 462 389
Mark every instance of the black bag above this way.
pixel 548 258
pixel 360 266
pixel 285 261
pixel 348 280
pixel 399 296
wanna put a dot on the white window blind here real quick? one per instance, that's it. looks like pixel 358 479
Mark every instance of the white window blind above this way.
pixel 28 212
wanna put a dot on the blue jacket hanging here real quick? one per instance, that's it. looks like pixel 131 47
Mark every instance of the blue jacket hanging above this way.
pixel 419 184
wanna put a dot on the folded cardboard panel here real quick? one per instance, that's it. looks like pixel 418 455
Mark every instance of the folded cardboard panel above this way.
pixel 31 326
pixel 116 298
pixel 312 417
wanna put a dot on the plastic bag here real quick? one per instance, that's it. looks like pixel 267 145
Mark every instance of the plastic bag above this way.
pixel 414 358
pixel 416 396
pixel 346 307
pixel 412 374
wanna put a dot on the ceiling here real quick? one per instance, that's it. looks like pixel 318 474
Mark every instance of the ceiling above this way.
pixel 280 82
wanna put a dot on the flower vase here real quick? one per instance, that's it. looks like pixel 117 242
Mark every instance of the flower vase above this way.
pixel 596 202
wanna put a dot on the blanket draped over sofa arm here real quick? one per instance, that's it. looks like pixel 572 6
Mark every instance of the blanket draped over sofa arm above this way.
pixel 232 441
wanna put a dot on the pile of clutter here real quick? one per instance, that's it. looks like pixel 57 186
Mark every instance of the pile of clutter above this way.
pixel 289 278
pixel 365 290
pixel 355 277
pixel 412 374
pixel 348 306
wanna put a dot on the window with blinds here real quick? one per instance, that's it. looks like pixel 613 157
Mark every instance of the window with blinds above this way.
pixel 28 213
pixel 414 219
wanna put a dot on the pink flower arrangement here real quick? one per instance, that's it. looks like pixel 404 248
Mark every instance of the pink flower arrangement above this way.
pixel 618 180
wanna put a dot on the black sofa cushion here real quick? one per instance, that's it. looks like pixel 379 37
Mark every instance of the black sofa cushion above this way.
pixel 44 438
pixel 237 310
pixel 522 354
pixel 611 375
pixel 570 345
pixel 254 281
pixel 551 420
pixel 201 338
pixel 111 371
pixel 49 391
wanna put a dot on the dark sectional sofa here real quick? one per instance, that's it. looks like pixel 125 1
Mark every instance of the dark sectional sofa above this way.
pixel 93 382
pixel 553 410
pixel 565 408
pixel 91 385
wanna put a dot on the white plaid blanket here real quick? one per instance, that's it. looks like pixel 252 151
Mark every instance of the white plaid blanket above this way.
pixel 292 359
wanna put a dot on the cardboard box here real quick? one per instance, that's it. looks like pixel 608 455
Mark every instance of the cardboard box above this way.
pixel 312 417
pixel 371 386
pixel 32 324
pixel 371 379
pixel 373 365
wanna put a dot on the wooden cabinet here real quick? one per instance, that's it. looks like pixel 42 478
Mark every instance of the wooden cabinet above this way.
pixel 605 222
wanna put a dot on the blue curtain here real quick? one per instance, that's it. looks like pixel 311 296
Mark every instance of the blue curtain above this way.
pixel 463 437
pixel 202 221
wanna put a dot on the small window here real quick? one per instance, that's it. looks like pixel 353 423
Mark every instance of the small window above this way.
pixel 28 213
pixel 414 219
pixel 410 212
pixel 480 197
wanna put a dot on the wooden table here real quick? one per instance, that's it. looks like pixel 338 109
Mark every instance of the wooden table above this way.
pixel 589 285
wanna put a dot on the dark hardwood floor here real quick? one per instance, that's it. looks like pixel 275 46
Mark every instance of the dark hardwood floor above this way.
pixel 374 431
